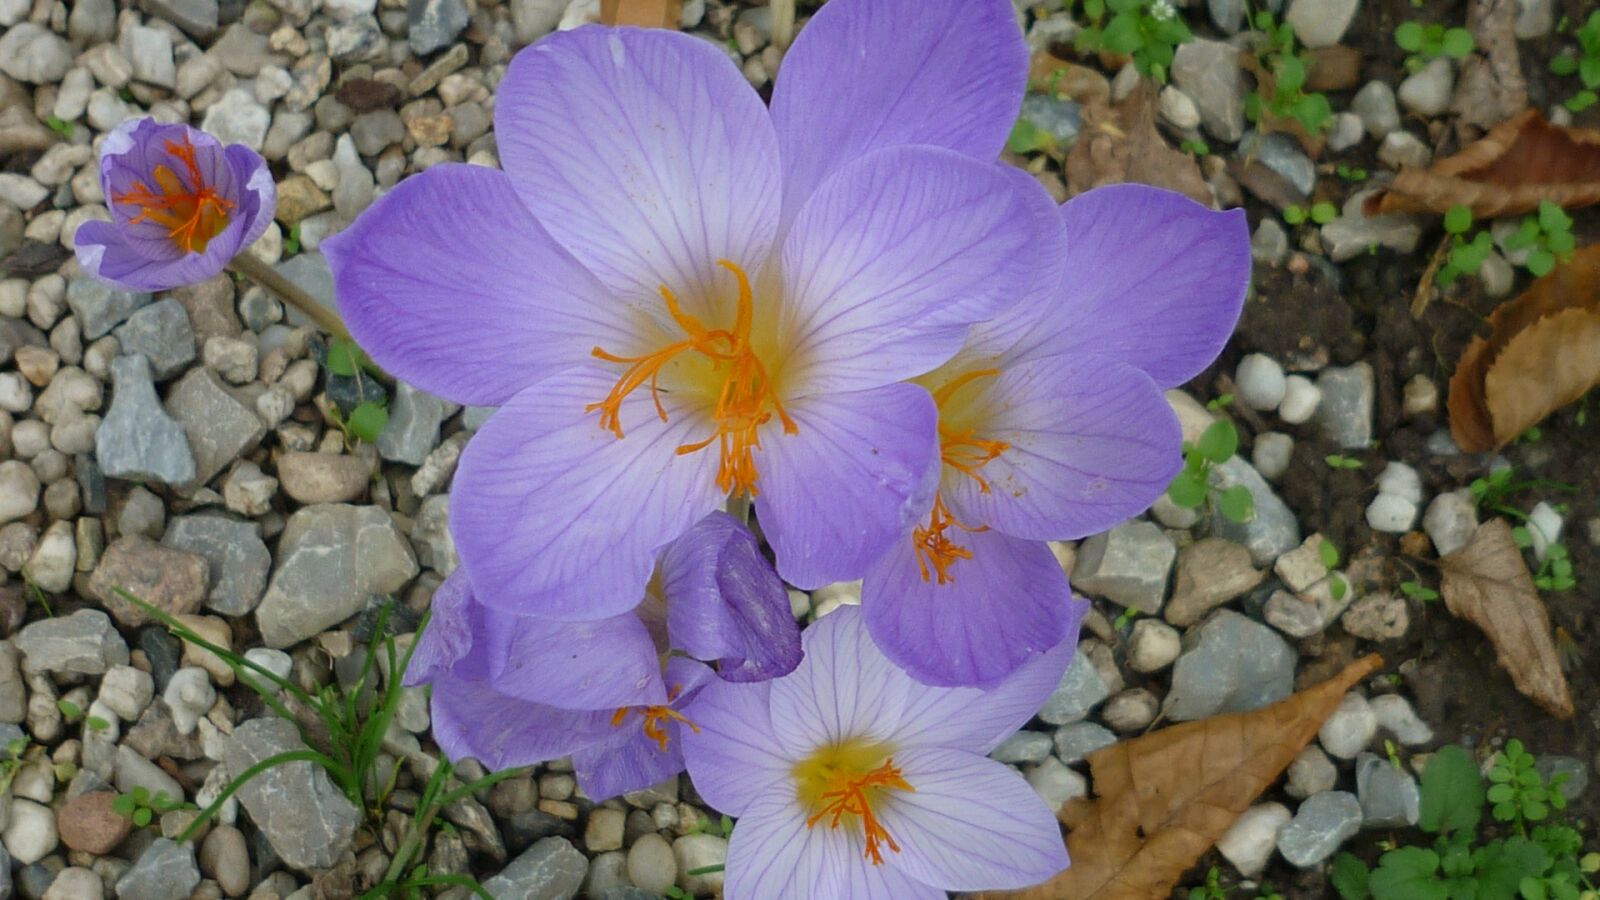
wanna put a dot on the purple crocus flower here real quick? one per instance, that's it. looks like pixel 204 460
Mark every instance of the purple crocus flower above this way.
pixel 511 690
pixel 1052 426
pixel 851 779
pixel 673 293
pixel 182 206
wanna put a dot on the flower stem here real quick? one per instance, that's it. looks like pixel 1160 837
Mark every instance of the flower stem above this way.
pixel 782 22
pixel 268 277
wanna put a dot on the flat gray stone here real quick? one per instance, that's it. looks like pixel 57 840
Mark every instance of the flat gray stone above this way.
pixel 1272 531
pixel 1320 825
pixel 310 273
pixel 308 822
pixel 196 17
pixel 331 558
pixel 219 424
pixel 1022 747
pixel 1208 71
pixel 1081 688
pixel 552 869
pixel 413 427
pixel 233 550
pixel 1346 410
pixel 160 332
pixel 1389 796
pixel 1230 664
pixel 1058 117
pixel 1076 740
pixel 1127 565
pixel 85 643
pixel 434 24
pixel 100 307
pixel 137 440
pixel 164 871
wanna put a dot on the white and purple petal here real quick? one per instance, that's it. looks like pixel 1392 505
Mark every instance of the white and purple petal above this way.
pixel 646 154
pixel 452 285
pixel 735 755
pixel 844 689
pixel 1008 604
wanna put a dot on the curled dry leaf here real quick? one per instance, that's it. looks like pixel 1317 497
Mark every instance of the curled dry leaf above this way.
pixel 1120 143
pixel 1543 353
pixel 643 13
pixel 1487 583
pixel 1508 171
pixel 1166 797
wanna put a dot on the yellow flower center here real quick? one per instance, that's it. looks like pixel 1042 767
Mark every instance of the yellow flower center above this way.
pixel 655 719
pixel 192 215
pixel 843 783
pixel 744 395
pixel 963 451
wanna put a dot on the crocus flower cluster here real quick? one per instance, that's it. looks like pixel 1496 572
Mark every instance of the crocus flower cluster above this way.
pixel 182 206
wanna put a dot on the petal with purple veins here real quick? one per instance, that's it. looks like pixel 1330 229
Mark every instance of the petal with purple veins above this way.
pixel 844 689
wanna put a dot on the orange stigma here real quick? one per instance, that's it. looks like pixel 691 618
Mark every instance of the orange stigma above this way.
pixel 192 213
pixel 656 719
pixel 848 797
pixel 965 453
pixel 745 398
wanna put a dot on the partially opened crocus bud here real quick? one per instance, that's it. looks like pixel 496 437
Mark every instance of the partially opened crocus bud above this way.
pixel 182 206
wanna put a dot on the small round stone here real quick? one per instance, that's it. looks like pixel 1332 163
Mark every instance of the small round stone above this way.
pixel 1301 397
pixel 1391 513
pixel 88 822
pixel 651 864
pixel 1153 645
pixel 1271 454
pixel 1260 382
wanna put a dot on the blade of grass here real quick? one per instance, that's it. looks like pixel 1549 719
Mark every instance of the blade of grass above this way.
pixel 233 787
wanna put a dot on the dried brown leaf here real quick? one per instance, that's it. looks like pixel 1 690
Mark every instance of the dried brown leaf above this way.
pixel 1048 74
pixel 1166 797
pixel 643 13
pixel 1121 143
pixel 1508 171
pixel 1542 353
pixel 1487 583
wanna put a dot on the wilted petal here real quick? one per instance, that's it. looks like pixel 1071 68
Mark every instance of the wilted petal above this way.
pixel 645 153
pixel 774 854
pixel 471 718
pixel 599 664
pixel 725 604
pixel 634 760
pixel 843 688
pixel 850 482
pixel 970 824
pixel 895 255
pixel 452 285
pixel 1153 279
pixel 1090 442
pixel 447 639
pixel 868 74
pixel 1006 605
pixel 555 517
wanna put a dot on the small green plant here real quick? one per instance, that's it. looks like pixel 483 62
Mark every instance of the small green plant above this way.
pixel 1493 491
pixel 1198 148
pixel 367 420
pixel 1547 236
pixel 1534 864
pixel 1322 212
pixel 1338 585
pixel 1339 461
pixel 139 807
pixel 1555 569
pixel 1192 486
pixel 1419 592
pixel 1466 254
pixel 1585 64
pixel 1351 173
pixel 1149 31
pixel 1212 889
pixel 1286 98
pixel 1027 138
pixel 291 244
pixel 1124 618
pixel 1427 43
pixel 60 126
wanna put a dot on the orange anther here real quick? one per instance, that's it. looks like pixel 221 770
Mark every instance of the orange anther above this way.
pixel 191 211
pixel 850 797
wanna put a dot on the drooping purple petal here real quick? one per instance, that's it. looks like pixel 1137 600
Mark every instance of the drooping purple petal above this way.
pixel 646 154
pixel 774 854
pixel 447 639
pixel 895 255
pixel 599 664
pixel 1153 279
pixel 844 688
pixel 471 718
pixel 849 483
pixel 634 760
pixel 555 517
pixel 1090 442
pixel 252 171
pixel 1009 603
pixel 977 720
pixel 970 824
pixel 725 604
pixel 868 74
pixel 734 756
pixel 452 285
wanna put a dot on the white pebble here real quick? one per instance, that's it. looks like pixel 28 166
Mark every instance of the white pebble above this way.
pixel 1260 381
pixel 31 833
pixel 1350 729
pixel 1544 526
pixel 1450 521
pixel 1301 398
pixel 1249 841
pixel 1401 480
pixel 1421 396
pixel 1271 454
pixel 190 695
pixel 1395 715
pixel 1391 513
pixel 1153 645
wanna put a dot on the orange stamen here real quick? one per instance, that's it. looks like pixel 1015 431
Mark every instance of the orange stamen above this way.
pixel 848 797
pixel 655 719
pixel 935 548
pixel 745 401
pixel 192 213
pixel 965 453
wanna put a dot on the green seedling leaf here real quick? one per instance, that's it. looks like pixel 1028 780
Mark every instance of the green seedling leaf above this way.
pixel 1407 873
pixel 1458 219
pixel 1409 36
pixel 1323 212
pixel 1452 793
pixel 367 421
pixel 1236 504
pixel 343 357
pixel 1027 138
pixel 1349 876
pixel 1219 442
pixel 69 710
pixel 141 816
pixel 1328 553
pixel 1457 43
